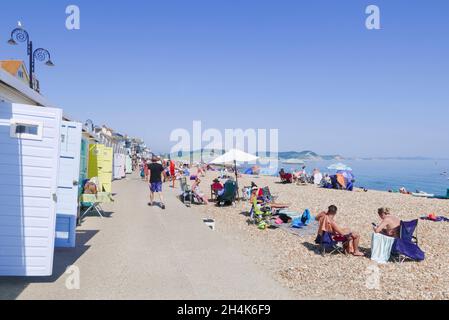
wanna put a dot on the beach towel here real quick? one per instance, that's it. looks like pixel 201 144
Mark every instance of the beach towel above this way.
pixel 434 218
pixel 341 180
pixel 381 247
pixel 311 229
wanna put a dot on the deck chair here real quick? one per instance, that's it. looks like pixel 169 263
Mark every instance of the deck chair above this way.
pixel 259 212
pixel 286 178
pixel 330 243
pixel 93 202
pixel 267 196
pixel 186 192
pixel 406 247
pixel 230 194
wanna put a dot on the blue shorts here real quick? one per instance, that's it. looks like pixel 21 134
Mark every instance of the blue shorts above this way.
pixel 156 187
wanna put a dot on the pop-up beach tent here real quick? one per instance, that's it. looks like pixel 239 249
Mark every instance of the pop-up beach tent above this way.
pixel 68 184
pixel 29 166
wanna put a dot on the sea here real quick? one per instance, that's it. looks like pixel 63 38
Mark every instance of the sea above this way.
pixel 430 176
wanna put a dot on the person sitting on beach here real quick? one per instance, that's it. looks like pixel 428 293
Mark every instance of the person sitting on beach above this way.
pixel 200 171
pixel 196 190
pixel 256 205
pixel 390 225
pixel 217 187
pixel 327 224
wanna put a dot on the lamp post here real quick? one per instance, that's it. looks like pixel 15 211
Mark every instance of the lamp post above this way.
pixel 21 35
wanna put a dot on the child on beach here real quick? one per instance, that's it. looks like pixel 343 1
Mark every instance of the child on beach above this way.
pixel 327 224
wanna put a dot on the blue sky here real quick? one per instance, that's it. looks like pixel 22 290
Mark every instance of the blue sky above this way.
pixel 309 68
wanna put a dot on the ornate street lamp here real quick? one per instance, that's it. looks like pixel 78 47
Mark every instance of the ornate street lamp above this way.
pixel 21 35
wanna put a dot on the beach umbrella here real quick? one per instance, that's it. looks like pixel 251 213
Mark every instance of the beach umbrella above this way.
pixel 347 174
pixel 339 167
pixel 232 157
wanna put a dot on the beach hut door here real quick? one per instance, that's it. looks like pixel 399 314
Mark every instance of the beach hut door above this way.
pixel 68 184
pixel 29 162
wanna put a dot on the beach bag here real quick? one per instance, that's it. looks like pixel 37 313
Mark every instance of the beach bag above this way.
pixel 304 221
pixel 306 218
pixel 142 174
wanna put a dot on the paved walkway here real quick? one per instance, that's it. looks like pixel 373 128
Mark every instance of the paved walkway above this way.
pixel 140 252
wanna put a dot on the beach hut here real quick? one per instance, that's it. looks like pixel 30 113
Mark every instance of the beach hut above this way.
pixel 123 165
pixel 101 165
pixel 129 164
pixel 68 184
pixel 84 159
pixel 117 166
pixel 29 166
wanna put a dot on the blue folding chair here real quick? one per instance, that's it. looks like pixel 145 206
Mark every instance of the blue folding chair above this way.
pixel 330 244
pixel 406 247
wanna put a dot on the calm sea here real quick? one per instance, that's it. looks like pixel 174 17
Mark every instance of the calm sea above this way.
pixel 422 175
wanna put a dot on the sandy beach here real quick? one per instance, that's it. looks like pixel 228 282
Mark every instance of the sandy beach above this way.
pixel 295 262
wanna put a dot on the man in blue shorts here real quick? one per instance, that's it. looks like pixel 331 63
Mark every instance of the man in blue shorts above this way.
pixel 155 171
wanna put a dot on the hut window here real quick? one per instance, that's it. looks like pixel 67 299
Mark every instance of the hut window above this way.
pixel 26 130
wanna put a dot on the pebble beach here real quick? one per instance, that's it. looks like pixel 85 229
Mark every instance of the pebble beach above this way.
pixel 296 263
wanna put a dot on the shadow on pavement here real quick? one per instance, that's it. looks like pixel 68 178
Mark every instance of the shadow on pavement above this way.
pixel 12 287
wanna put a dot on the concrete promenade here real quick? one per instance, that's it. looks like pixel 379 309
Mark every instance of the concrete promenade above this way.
pixel 138 252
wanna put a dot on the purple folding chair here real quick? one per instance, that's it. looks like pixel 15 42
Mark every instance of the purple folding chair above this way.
pixel 406 247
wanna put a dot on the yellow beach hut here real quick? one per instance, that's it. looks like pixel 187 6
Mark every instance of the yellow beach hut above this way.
pixel 100 165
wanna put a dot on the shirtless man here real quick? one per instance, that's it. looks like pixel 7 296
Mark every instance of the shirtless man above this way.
pixel 390 225
pixel 327 224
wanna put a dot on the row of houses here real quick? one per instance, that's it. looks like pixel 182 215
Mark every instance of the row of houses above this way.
pixel 45 158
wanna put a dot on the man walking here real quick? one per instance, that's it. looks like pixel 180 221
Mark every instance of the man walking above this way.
pixel 155 170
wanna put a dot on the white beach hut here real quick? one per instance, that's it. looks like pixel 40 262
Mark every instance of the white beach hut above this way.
pixel 29 163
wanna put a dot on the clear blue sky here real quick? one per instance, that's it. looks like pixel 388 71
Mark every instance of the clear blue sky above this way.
pixel 309 68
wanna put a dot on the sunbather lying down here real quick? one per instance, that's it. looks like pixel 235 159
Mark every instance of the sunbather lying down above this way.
pixel 279 205
pixel 255 199
pixel 327 224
